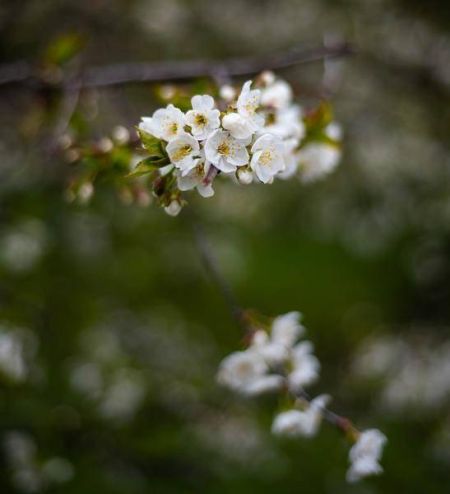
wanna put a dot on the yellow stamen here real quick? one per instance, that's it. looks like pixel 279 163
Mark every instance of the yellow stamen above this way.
pixel 182 152
pixel 224 148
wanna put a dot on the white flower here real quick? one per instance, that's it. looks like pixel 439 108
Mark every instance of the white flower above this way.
pixel 275 349
pixel 286 329
pixel 277 95
pixel 227 92
pixel 267 159
pixel 248 102
pixel 296 423
pixel 365 455
pixel 305 366
pixel 244 176
pixel 317 160
pixel 225 152
pixel 166 123
pixel 264 384
pixel 203 118
pixel 239 127
pixel 246 121
pixel 287 123
pixel 174 208
pixel 273 352
pixel 246 372
pixel 290 159
pixel 334 131
pixel 197 178
pixel 184 152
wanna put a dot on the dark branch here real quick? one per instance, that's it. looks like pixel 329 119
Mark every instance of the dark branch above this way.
pixel 210 265
pixel 139 72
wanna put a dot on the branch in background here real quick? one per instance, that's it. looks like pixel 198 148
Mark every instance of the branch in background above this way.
pixel 239 314
pixel 139 72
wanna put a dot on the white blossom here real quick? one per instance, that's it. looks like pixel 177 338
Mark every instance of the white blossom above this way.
pixel 317 160
pixel 273 352
pixel 300 423
pixel 276 348
pixel 239 127
pixel 197 178
pixel 267 159
pixel 334 131
pixel 166 123
pixel 305 366
pixel 365 455
pixel 174 208
pixel 278 94
pixel 203 118
pixel 227 93
pixel 225 152
pixel 244 176
pixel 286 329
pixel 246 372
pixel 286 123
pixel 290 159
pixel 246 121
pixel 184 152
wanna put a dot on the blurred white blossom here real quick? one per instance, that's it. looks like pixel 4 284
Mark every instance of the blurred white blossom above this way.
pixel 365 455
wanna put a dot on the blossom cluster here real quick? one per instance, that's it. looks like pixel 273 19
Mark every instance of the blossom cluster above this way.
pixel 257 134
pixel 278 360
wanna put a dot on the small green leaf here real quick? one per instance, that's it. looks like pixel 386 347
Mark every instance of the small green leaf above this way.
pixel 152 144
pixel 63 48
pixel 147 165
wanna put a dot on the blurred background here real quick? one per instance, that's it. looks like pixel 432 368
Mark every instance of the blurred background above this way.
pixel 110 330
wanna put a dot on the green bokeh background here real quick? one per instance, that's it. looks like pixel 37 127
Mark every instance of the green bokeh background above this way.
pixel 363 255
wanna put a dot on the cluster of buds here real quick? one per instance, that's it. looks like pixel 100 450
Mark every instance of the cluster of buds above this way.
pixel 278 360
pixel 255 134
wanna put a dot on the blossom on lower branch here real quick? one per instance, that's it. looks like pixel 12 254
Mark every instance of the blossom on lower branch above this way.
pixel 278 360
pixel 365 455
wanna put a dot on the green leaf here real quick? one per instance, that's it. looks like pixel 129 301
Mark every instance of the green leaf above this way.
pixel 148 165
pixel 152 144
pixel 63 48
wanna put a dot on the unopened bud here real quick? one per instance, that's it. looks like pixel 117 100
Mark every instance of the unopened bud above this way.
pixel 105 145
pixel 167 92
pixel 85 192
pixel 245 176
pixel 227 92
pixel 121 135
pixel 173 208
pixel 267 77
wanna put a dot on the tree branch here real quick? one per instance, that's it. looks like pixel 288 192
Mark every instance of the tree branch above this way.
pixel 140 72
pixel 238 313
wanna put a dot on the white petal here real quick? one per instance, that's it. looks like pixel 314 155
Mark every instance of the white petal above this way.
pixel 202 102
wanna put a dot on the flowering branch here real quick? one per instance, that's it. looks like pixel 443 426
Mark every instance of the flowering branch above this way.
pixel 22 72
pixel 247 372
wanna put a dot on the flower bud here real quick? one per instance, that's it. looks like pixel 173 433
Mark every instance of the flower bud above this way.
pixel 85 192
pixel 105 145
pixel 121 135
pixel 173 208
pixel 245 176
pixel 267 77
pixel 227 92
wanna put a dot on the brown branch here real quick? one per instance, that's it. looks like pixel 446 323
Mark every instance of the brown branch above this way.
pixel 139 72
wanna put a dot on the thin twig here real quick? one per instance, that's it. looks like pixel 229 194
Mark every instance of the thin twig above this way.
pixel 138 72
pixel 211 266
pixel 68 106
